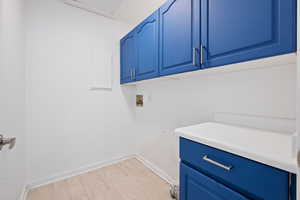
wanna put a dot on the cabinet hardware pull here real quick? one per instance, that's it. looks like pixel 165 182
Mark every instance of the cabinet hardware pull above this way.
pixel 194 56
pixel 228 168
pixel 131 74
pixel 201 55
pixel 134 73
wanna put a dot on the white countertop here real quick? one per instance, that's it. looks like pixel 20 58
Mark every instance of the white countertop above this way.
pixel 271 148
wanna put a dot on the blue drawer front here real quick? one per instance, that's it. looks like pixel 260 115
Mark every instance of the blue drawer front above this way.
pixel 196 185
pixel 252 179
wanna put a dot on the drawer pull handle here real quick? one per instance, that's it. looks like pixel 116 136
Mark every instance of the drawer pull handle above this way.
pixel 228 168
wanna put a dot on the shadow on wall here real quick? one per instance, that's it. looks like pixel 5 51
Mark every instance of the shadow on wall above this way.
pixel 284 125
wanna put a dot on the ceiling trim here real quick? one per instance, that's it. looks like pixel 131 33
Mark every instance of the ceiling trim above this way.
pixel 78 4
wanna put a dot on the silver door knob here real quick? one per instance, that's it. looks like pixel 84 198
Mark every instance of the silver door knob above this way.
pixel 7 141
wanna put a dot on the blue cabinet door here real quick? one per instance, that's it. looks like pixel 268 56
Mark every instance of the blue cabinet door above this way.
pixel 128 58
pixel 235 31
pixel 179 36
pixel 195 186
pixel 147 34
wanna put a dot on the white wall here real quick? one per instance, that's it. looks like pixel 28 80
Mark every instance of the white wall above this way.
pixel 12 98
pixel 69 126
pixel 257 98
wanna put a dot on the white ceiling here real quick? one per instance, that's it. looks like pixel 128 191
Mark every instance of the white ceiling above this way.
pixel 134 11
pixel 104 7
pixel 107 6
pixel 130 11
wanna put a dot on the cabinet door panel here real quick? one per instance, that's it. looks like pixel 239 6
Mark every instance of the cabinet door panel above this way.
pixel 127 58
pixel 147 48
pixel 194 186
pixel 179 35
pixel 235 31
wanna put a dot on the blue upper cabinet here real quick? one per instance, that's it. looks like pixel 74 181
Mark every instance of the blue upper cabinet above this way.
pixel 147 34
pixel 187 35
pixel 179 36
pixel 194 186
pixel 235 31
pixel 128 58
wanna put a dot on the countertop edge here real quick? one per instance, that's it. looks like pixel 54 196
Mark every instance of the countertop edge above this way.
pixel 286 166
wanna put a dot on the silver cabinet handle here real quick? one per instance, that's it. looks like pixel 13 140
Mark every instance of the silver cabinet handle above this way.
pixel 228 168
pixel 134 73
pixel 194 56
pixel 130 73
pixel 201 55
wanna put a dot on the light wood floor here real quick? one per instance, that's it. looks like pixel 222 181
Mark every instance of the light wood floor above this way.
pixel 127 180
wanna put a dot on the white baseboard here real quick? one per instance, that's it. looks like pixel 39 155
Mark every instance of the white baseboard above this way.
pixel 75 172
pixel 24 193
pixel 156 170
pixel 82 170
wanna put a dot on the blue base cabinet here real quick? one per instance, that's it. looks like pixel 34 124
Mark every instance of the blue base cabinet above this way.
pixel 188 35
pixel 211 174
pixel 195 186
